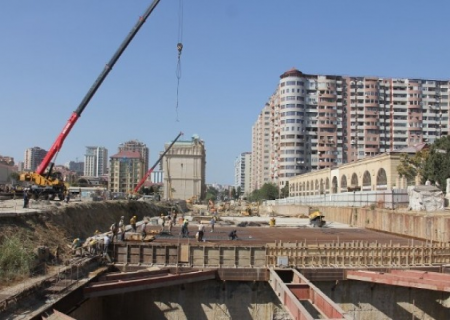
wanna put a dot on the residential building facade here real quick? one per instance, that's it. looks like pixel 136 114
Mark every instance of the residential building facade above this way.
pixel 184 168
pixel 126 171
pixel 33 158
pixel 322 121
pixel 242 173
pixel 261 148
pixel 137 146
pixel 95 161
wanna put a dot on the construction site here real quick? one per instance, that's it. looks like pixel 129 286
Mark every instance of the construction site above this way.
pixel 281 265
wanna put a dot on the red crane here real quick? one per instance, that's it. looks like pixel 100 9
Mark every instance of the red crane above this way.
pixel 49 184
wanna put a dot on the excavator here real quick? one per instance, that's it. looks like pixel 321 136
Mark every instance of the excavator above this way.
pixel 48 184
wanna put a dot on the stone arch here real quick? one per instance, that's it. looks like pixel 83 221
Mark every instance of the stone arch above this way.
pixel 316 188
pixel 327 184
pixel 354 181
pixel 334 184
pixel 381 179
pixel 344 183
pixel 367 181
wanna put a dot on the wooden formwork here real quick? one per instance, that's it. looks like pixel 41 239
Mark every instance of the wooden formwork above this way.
pixel 285 254
pixel 355 254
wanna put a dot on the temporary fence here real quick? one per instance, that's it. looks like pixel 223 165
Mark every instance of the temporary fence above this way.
pixel 389 199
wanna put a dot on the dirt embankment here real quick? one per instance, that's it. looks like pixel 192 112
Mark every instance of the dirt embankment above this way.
pixel 59 225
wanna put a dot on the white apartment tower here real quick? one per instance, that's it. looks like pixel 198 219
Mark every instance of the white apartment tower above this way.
pixel 33 158
pixel 242 173
pixel 320 121
pixel 261 149
pixel 95 161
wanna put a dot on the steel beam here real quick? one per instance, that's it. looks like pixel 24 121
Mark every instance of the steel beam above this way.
pixel 119 286
pixel 299 292
pixel 404 278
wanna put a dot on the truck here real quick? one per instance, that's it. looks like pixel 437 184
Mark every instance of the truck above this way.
pixel 44 182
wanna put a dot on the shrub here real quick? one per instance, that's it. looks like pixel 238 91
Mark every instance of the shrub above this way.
pixel 16 258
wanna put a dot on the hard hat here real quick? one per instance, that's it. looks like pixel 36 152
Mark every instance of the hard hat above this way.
pixel 134 217
pixel 122 217
pixel 96 231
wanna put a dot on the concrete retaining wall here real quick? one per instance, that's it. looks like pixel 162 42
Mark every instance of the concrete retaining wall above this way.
pixel 428 226
pixel 367 301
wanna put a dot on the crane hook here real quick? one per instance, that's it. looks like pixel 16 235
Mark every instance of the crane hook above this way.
pixel 180 48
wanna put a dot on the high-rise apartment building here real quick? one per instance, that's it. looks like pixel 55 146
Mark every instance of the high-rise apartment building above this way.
pixel 33 158
pixel 184 169
pixel 136 146
pixel 320 121
pixel 95 161
pixel 261 148
pixel 242 173
pixel 126 171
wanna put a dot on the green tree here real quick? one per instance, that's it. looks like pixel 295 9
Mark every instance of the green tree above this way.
pixel 211 194
pixel 233 193
pixel 268 191
pixel 285 190
pixel 238 192
pixel 437 165
pixel 412 166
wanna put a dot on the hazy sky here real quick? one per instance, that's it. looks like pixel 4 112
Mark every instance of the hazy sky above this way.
pixel 234 52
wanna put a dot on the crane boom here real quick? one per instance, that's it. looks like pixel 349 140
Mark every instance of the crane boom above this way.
pixel 56 147
pixel 139 185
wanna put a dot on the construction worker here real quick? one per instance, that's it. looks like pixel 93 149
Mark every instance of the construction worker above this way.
pixel 163 221
pixel 121 224
pixel 133 223
pixel 212 222
pixel 201 232
pixel 170 222
pixel 25 198
pixel 106 242
pixel 184 229
pixel 232 235
pixel 76 244
pixel 114 228
pixel 143 230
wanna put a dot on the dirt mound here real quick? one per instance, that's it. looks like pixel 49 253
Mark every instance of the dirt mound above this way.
pixel 59 225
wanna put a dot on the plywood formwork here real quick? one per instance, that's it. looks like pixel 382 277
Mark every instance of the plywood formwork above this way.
pixel 285 254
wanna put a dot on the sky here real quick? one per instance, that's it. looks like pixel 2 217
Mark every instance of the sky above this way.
pixel 234 52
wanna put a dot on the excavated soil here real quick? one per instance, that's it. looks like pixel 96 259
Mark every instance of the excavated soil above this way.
pixel 53 224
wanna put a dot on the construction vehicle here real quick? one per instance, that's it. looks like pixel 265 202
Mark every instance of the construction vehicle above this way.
pixel 139 185
pixel 46 183
pixel 316 218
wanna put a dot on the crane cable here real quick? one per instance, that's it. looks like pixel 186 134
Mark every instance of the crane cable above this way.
pixel 180 49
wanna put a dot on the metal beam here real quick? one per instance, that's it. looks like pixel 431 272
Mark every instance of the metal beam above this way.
pixel 414 279
pixel 119 286
pixel 299 293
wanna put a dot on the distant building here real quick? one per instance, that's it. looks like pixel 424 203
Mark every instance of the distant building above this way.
pixel 33 158
pixel 76 166
pixel 184 169
pixel 137 146
pixel 9 161
pixel 242 173
pixel 157 176
pixel 95 161
pixel 126 171
pixel 5 173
